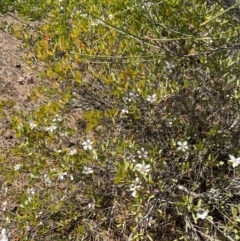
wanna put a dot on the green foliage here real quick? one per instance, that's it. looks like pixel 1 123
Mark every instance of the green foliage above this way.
pixel 133 125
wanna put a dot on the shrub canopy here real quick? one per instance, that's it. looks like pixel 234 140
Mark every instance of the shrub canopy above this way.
pixel 133 133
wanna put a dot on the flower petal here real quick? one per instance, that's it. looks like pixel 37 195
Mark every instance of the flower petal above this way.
pixel 139 166
pixel 231 157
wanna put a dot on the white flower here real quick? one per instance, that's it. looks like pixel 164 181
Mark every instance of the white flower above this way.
pixel 235 161
pixel 170 66
pixel 84 15
pixel 91 205
pixel 144 169
pixel 142 153
pixel 63 134
pixel 62 176
pixel 131 158
pixel 4 205
pixel 124 111
pixel 27 201
pixel 17 167
pixel 87 145
pixel 30 191
pixel 51 128
pixel 32 125
pixel 149 221
pixel 87 170
pixel 152 98
pixel 201 213
pixel 3 236
pixel 182 146
pixel 57 118
pixel 130 97
pixel 111 16
pixel 4 190
pixel 72 152
pixel 137 180
pixel 71 177
pixel 126 99
pixel 133 189
pixel 47 180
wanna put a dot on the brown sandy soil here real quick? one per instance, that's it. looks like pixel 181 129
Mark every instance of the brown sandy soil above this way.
pixel 16 81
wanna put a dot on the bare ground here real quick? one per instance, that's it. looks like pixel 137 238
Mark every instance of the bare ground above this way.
pixel 16 81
